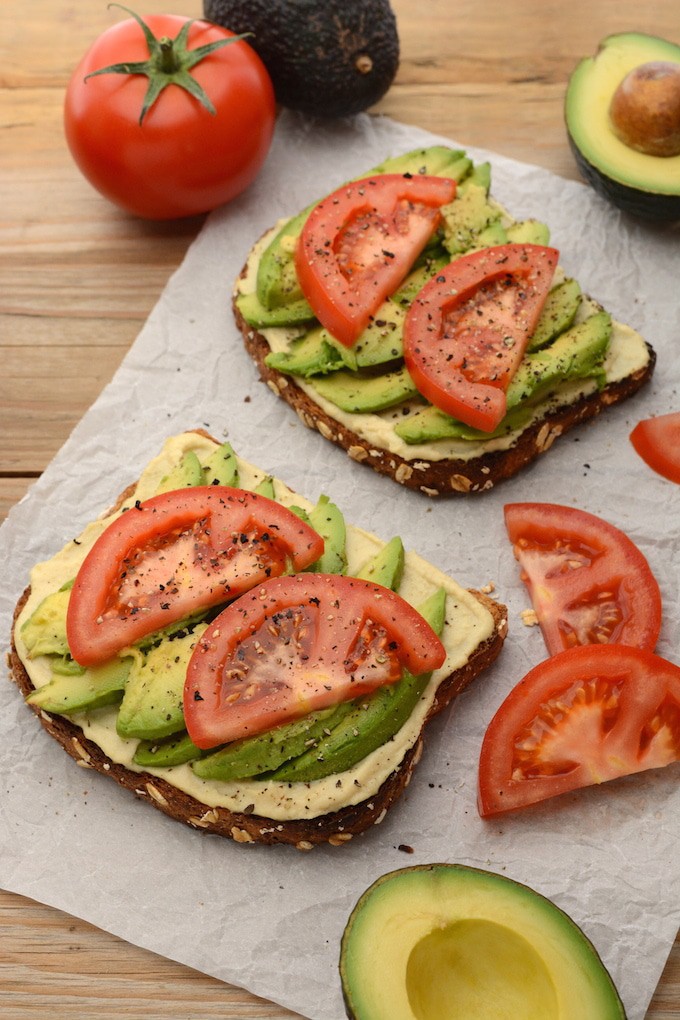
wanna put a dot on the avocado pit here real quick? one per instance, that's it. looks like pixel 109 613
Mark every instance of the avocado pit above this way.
pixel 645 109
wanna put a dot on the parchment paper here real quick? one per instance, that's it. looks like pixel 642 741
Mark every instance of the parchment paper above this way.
pixel 270 919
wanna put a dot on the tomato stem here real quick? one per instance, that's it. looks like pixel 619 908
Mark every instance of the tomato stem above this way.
pixel 169 63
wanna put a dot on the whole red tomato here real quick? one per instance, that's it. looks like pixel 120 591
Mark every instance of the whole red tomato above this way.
pixel 166 119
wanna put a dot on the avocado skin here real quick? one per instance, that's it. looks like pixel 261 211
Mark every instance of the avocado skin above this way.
pixel 332 59
pixel 644 205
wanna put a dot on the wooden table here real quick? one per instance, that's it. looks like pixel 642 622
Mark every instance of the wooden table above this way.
pixel 77 280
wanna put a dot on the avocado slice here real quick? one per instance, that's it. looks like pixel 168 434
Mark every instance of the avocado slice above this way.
pixel 44 632
pixel 447 940
pixel 645 185
pixel 84 690
pixel 357 393
pixel 327 520
pixel 221 468
pixel 185 474
pixel 558 314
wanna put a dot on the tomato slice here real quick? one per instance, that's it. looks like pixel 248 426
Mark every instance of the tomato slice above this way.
pixel 657 441
pixel 582 717
pixel 466 331
pixel 175 553
pixel 360 243
pixel 297 644
pixel 588 582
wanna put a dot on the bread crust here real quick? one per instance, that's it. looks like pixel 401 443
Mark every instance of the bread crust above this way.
pixel 449 476
pixel 336 828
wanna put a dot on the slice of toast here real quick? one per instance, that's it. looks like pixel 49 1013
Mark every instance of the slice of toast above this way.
pixel 348 803
pixel 457 464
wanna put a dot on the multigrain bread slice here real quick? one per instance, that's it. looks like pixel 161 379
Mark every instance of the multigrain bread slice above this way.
pixel 445 475
pixel 303 827
pixel 335 828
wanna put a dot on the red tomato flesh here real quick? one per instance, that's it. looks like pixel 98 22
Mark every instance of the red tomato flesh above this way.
pixel 360 243
pixel 588 582
pixel 466 331
pixel 174 554
pixel 582 717
pixel 297 644
pixel 657 441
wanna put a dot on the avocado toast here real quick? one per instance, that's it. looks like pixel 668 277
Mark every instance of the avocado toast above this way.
pixel 578 360
pixel 326 777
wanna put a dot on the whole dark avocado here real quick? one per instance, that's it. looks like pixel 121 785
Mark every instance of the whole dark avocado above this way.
pixel 622 112
pixel 330 59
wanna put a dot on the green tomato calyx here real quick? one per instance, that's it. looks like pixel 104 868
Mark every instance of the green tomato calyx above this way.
pixel 169 63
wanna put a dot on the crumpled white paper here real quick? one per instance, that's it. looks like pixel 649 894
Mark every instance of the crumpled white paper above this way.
pixel 270 919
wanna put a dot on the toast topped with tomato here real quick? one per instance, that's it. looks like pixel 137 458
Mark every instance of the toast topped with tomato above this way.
pixel 245 660
pixel 409 319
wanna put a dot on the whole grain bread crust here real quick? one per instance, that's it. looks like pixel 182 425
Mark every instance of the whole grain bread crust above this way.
pixel 448 476
pixel 335 828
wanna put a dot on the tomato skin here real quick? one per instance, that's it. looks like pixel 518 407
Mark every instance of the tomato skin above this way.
pixel 462 343
pixel 359 244
pixel 181 160
pixel 582 717
pixel 173 554
pixel 589 583
pixel 241 682
pixel 657 442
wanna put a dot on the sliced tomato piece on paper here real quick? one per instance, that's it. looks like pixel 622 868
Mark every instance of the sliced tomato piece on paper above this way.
pixel 588 582
pixel 582 717
pixel 466 331
pixel 297 644
pixel 174 554
pixel 657 441
pixel 360 243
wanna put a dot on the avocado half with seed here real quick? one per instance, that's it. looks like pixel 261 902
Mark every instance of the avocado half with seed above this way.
pixel 445 940
pixel 622 112
pixel 328 59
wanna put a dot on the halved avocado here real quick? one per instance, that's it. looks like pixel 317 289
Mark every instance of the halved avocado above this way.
pixel 645 185
pixel 445 940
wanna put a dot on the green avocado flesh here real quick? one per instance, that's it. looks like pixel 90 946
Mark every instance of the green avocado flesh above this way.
pixel 371 377
pixel 448 941
pixel 639 183
pixel 146 682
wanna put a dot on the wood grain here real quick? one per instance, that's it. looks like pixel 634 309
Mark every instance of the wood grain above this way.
pixel 78 277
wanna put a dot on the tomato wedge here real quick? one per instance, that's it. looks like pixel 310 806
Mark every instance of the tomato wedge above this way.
pixel 175 553
pixel 466 331
pixel 360 243
pixel 657 441
pixel 588 582
pixel 297 644
pixel 582 717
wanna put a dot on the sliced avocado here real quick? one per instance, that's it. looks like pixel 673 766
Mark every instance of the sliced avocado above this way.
pixel 639 182
pixel 447 940
pixel 152 706
pixel 295 313
pixel 469 214
pixel 44 632
pixel 187 473
pixel 528 232
pixel 177 749
pixel 260 755
pixel 387 566
pixel 328 521
pixel 372 721
pixel 416 280
pixel 266 487
pixel 559 312
pixel 578 353
pixel 221 468
pixel 356 392
pixel 92 688
pixel 314 353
